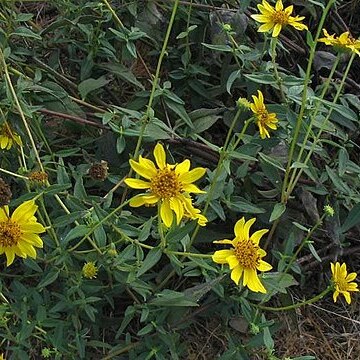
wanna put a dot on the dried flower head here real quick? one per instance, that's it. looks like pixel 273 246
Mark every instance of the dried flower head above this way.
pixel 275 18
pixel 5 193
pixel 99 171
pixel 89 270
pixel 38 177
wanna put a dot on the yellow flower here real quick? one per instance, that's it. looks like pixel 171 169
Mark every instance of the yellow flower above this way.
pixel 19 233
pixel 275 18
pixel 8 137
pixel 246 256
pixel 89 270
pixel 344 42
pixel 264 118
pixel 168 185
pixel 343 281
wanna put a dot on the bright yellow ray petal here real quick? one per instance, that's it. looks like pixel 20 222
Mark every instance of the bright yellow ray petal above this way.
pixel 236 274
pixel 191 188
pixel 24 211
pixel 166 213
pixel 264 266
pixel 232 261
pixel 141 199
pixel 177 206
pixel 160 156
pixel 220 256
pixel 137 183
pixel 257 235
pixel 239 228
pixel 142 170
pixel 276 31
pixel 192 175
pixel 183 167
pixel 253 281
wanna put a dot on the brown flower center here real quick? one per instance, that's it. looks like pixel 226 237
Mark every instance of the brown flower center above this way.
pixel 10 233
pixel 280 17
pixel 165 184
pixel 247 254
pixel 263 117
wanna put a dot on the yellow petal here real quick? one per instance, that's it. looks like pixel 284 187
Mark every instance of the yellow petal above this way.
pixel 32 227
pixel 137 184
pixel 10 256
pixel 27 249
pixel 140 200
pixel 247 227
pixel 225 241
pixel 236 274
pixel 183 167
pixel 279 5
pixel 177 206
pixel 239 228
pixel 148 164
pixel 4 213
pixel 24 212
pixel 257 235
pixel 347 296
pixel 191 188
pixel 166 213
pixel 335 295
pixel 261 18
pixel 160 156
pixel 33 239
pixel 264 266
pixel 351 277
pixel 192 175
pixel 220 256
pixel 252 281
pixel 142 169
pixel 276 31
pixel 232 261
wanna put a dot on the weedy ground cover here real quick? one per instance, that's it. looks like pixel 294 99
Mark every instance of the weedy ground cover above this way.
pixel 179 179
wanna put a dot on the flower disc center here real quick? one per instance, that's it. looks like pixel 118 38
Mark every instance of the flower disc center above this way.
pixel 247 254
pixel 280 17
pixel 10 233
pixel 165 184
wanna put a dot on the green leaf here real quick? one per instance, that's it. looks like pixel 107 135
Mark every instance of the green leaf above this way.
pixel 179 109
pixel 123 73
pixel 278 210
pixel 171 298
pixel 151 260
pixel 89 85
pixel 78 231
pixel 271 161
pixel 343 161
pixel 352 219
pixel 23 31
pixel 339 184
pixel 233 76
pixel 49 278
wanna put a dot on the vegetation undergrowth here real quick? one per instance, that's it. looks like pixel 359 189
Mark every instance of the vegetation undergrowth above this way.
pixel 168 164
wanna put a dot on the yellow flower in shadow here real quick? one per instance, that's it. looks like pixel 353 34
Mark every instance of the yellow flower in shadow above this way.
pixel 19 233
pixel 8 137
pixel 264 119
pixel 246 256
pixel 275 18
pixel 343 281
pixel 89 270
pixel 168 185
pixel 344 42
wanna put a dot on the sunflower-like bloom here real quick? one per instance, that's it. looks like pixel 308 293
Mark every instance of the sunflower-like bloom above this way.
pixel 344 42
pixel 274 18
pixel 167 185
pixel 8 137
pixel 245 257
pixel 19 233
pixel 343 281
pixel 264 119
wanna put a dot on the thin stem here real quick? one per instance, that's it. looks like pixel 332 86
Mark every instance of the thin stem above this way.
pixel 113 13
pixel 323 124
pixel 13 174
pixel 274 42
pixel 303 243
pixel 303 102
pixel 297 305
pixel 18 106
pixel 161 229
pixel 223 155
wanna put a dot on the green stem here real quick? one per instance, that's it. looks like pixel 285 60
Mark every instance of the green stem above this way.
pixel 223 155
pixel 299 119
pixel 274 42
pixel 18 106
pixel 303 243
pixel 314 114
pixel 297 305
pixel 323 124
